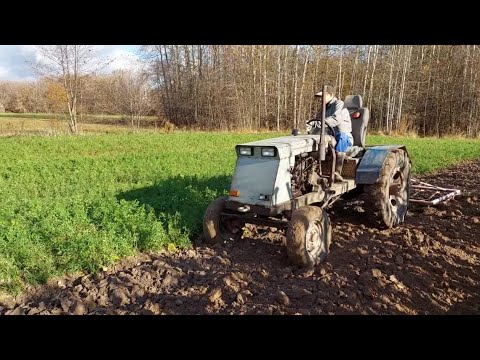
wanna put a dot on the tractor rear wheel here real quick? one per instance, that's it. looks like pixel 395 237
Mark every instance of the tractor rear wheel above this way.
pixel 309 235
pixel 217 229
pixel 389 197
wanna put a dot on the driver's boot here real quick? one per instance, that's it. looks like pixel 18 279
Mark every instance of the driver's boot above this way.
pixel 339 166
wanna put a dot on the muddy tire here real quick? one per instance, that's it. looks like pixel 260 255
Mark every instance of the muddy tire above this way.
pixel 389 197
pixel 308 236
pixel 215 228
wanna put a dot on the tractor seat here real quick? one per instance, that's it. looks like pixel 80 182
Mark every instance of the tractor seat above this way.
pixel 360 117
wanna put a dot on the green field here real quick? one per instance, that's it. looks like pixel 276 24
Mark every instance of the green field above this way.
pixel 13 124
pixel 73 204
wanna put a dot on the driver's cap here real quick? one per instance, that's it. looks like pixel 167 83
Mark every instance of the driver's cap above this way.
pixel 330 90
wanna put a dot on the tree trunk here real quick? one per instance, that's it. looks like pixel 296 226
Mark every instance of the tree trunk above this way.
pixel 366 71
pixel 300 107
pixel 295 89
pixel 278 87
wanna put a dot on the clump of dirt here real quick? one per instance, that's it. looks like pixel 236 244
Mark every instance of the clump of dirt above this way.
pixel 428 265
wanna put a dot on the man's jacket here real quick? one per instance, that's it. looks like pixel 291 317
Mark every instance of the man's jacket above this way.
pixel 337 117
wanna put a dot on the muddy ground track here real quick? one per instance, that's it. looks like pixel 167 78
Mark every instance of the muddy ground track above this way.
pixel 429 265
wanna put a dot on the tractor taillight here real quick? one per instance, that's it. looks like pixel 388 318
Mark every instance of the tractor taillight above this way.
pixel 356 114
pixel 235 193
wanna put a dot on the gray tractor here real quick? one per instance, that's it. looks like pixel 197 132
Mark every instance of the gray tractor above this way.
pixel 288 183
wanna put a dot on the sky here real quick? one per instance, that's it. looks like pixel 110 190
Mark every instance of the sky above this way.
pixel 14 59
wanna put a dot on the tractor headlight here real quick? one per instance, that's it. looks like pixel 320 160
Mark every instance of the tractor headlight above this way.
pixel 245 151
pixel 268 151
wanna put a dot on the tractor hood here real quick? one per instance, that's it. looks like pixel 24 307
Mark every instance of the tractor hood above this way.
pixel 286 145
pixel 264 178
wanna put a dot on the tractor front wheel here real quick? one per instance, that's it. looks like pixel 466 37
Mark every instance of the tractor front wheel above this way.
pixel 309 235
pixel 217 229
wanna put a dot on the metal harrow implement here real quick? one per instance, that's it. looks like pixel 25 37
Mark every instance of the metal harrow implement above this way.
pixel 426 194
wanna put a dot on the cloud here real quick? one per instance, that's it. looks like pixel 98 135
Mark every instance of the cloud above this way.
pixel 3 72
pixel 15 59
pixel 13 63
pixel 122 59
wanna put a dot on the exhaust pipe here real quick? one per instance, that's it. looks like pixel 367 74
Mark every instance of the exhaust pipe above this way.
pixel 322 145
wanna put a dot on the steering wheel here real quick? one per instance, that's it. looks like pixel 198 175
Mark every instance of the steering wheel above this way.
pixel 331 129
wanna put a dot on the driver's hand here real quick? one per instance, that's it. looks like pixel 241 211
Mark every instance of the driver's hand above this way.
pixel 308 127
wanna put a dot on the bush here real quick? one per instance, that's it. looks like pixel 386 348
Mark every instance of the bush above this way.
pixel 168 127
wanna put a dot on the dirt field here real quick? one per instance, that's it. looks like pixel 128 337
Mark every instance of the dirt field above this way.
pixel 429 265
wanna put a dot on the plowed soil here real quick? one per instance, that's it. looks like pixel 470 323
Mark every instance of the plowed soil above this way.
pixel 428 265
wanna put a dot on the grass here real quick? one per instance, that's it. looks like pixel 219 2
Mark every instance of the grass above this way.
pixel 78 203
pixel 48 116
pixel 72 204
pixel 12 126
pixel 40 116
pixel 429 154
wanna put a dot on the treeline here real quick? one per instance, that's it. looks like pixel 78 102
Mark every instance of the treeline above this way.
pixel 123 92
pixel 425 89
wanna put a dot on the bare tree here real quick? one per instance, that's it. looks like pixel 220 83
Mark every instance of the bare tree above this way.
pixel 133 93
pixel 70 64
pixel 429 89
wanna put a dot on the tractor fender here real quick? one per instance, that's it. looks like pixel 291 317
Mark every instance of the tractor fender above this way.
pixel 372 161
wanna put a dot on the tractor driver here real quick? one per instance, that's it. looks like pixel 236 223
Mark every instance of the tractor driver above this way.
pixel 338 119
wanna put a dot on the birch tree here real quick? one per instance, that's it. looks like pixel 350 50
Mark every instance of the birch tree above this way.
pixel 70 64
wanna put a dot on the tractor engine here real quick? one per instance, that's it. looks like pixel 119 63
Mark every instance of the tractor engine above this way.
pixel 304 173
